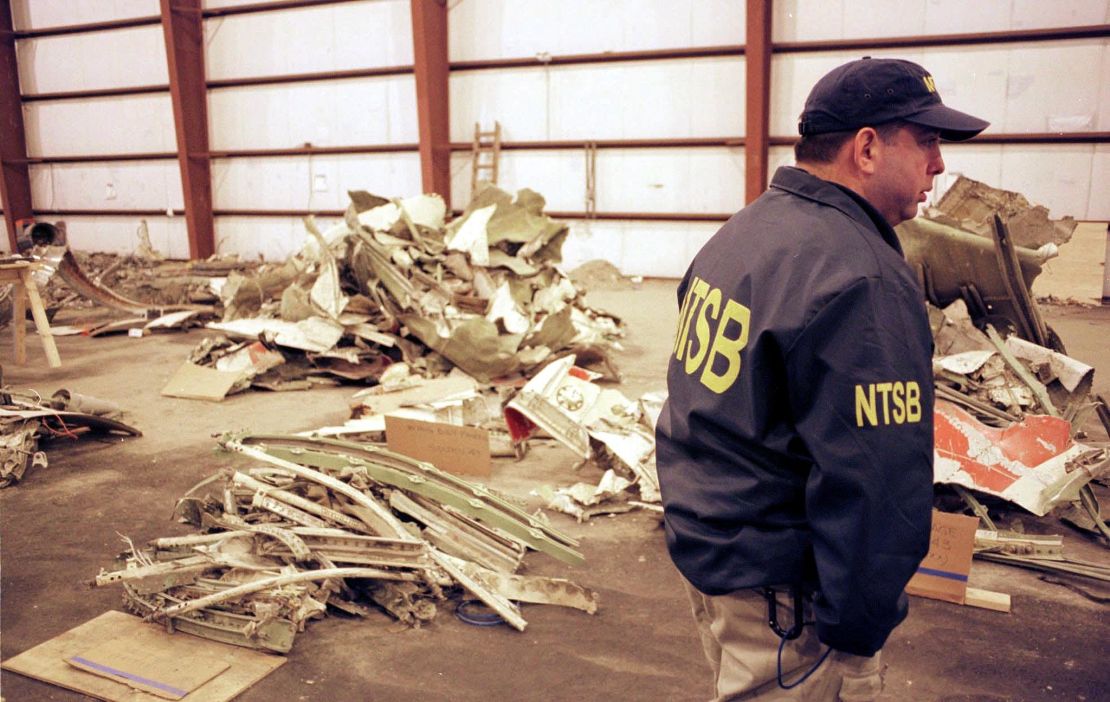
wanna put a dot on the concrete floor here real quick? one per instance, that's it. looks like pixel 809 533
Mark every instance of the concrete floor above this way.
pixel 60 526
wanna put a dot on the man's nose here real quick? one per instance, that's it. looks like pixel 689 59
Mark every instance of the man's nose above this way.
pixel 936 164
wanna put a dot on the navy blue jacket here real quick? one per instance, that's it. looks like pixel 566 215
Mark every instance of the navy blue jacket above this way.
pixel 796 444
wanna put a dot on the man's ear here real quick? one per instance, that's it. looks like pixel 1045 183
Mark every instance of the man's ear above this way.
pixel 865 150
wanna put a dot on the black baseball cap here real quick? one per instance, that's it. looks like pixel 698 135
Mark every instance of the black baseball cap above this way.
pixel 869 92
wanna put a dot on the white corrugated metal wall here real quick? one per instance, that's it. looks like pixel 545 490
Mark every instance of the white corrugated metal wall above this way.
pixel 1035 87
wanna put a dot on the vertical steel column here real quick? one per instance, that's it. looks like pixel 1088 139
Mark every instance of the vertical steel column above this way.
pixel 183 27
pixel 757 61
pixel 429 44
pixel 15 182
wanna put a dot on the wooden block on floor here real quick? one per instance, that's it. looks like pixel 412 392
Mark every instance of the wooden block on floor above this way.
pixel 146 651
pixel 987 599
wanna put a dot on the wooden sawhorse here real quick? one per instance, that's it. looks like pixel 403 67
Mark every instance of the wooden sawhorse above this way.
pixel 24 292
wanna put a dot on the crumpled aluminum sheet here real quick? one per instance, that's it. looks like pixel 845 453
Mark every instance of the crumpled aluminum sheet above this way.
pixel 1033 463
pixel 596 423
pixel 19 453
pixel 1049 364
pixel 480 293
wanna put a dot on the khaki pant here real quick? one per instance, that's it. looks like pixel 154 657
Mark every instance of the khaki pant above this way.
pixel 744 654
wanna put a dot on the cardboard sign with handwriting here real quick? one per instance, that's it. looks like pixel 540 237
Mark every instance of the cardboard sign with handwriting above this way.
pixel 455 449
pixel 943 573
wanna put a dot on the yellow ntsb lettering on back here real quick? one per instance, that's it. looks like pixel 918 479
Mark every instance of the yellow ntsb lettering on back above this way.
pixel 888 403
pixel 712 331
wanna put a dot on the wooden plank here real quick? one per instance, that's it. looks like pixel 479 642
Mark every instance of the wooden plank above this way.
pixel 19 321
pixel 987 599
pixel 47 661
pixel 42 324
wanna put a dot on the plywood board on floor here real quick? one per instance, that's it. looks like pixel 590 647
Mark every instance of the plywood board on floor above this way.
pixel 48 660
pixel 194 382
pixel 159 670
pixel 1079 272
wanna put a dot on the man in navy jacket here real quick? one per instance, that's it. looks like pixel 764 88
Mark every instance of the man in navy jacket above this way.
pixel 795 449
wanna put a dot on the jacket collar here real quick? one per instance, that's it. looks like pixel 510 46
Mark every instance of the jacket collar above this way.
pixel 804 184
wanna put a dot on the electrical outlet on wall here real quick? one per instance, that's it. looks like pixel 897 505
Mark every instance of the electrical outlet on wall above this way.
pixel 110 191
pixel 320 182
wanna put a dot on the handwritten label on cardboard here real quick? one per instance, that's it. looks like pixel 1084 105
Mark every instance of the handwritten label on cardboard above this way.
pixel 943 574
pixel 455 449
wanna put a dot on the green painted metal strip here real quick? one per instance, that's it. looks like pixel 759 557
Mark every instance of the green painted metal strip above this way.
pixel 423 479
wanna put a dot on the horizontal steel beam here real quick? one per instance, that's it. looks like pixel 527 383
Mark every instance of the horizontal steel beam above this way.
pixel 1044 138
pixel 638 216
pixel 277 213
pixel 230 153
pixel 88 27
pixel 372 72
pixel 646 216
pixel 97 93
pixel 1016 138
pixel 75 212
pixel 679 142
pixel 316 151
pixel 102 158
pixel 540 60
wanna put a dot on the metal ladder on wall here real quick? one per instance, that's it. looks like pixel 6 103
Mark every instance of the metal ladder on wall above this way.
pixel 485 156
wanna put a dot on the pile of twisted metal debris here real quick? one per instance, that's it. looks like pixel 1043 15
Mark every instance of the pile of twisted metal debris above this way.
pixel 322 522
pixel 26 418
pixel 395 283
